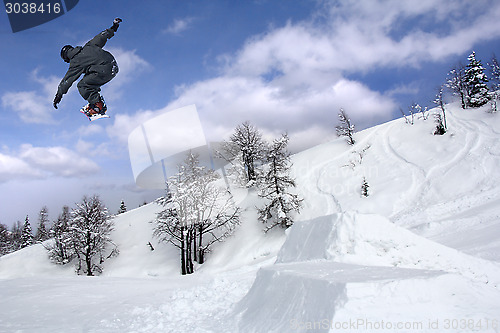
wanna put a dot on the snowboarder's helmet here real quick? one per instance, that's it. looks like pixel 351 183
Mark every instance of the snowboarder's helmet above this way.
pixel 64 52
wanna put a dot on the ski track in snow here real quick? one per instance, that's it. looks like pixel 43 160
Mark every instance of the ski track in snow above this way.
pixel 418 174
pixel 425 211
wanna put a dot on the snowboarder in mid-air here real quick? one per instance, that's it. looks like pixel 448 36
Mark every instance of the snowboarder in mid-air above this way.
pixel 98 66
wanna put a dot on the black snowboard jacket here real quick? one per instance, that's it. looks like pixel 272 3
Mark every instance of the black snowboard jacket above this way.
pixel 90 58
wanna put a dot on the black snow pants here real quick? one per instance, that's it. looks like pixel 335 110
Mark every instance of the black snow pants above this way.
pixel 90 85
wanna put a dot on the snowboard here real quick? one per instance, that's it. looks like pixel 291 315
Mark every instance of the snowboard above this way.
pixel 94 116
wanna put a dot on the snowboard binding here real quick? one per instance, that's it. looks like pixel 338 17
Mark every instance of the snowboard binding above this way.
pixel 95 111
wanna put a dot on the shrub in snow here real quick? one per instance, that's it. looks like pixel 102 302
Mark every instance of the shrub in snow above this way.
pixel 413 110
pixel 364 188
pixel 346 128
pixel 438 119
pixel 274 187
pixel 357 157
pixel 407 120
pixel 440 129
pixel 197 214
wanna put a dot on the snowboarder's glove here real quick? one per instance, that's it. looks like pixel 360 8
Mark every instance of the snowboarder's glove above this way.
pixel 116 24
pixel 57 99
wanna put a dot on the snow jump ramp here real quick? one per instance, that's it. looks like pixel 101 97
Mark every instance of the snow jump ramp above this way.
pixel 348 272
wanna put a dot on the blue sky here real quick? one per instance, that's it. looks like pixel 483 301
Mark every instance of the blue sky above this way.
pixel 283 65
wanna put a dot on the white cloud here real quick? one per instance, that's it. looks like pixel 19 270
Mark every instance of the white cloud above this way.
pixel 34 106
pixel 179 25
pixel 130 64
pixel 44 162
pixel 58 161
pixel 12 168
pixel 124 124
pixel 29 105
pixel 90 131
pixel 402 33
pixel 359 36
pixel 49 84
pixel 226 102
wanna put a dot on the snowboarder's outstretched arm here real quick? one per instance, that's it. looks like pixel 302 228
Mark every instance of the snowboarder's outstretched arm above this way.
pixel 101 39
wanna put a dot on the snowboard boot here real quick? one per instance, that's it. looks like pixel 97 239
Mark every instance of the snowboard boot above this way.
pixel 97 108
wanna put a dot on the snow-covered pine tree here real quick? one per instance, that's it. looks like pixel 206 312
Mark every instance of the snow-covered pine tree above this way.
pixel 16 234
pixel 123 208
pixel 495 84
pixel 41 231
pixel 90 228
pixel 275 187
pixel 27 237
pixel 346 128
pixel 61 251
pixel 364 187
pixel 476 80
pixel 456 83
pixel 197 213
pixel 245 141
pixel 5 240
pixel 495 73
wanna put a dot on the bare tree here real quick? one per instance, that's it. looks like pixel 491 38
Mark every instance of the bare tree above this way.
pixel 61 250
pixel 246 141
pixel 440 121
pixel 456 83
pixel 346 128
pixel 90 228
pixel 198 213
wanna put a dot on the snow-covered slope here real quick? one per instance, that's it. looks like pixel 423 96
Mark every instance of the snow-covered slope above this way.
pixel 422 248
